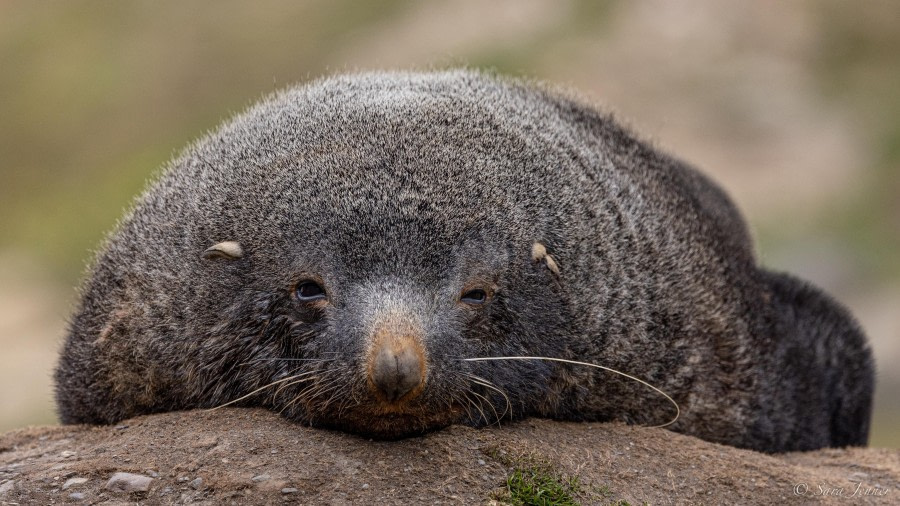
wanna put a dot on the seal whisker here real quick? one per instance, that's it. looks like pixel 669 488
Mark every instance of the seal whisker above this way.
pixel 490 404
pixel 485 383
pixel 576 362
pixel 303 377
pixel 269 385
pixel 344 405
pixel 334 390
pixel 298 396
pixel 310 393
pixel 454 399
pixel 280 359
pixel 477 405
pixel 319 393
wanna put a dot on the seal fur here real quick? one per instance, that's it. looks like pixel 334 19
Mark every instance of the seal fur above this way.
pixel 405 197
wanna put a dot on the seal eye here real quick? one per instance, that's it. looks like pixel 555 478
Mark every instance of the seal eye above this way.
pixel 309 291
pixel 476 296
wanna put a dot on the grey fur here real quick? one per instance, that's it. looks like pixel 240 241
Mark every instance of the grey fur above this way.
pixel 395 190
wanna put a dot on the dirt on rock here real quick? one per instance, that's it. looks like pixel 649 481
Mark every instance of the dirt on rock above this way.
pixel 250 456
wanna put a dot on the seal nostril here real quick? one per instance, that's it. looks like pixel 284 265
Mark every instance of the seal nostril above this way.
pixel 396 371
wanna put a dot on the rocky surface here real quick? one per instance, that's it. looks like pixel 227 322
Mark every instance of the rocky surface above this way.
pixel 245 456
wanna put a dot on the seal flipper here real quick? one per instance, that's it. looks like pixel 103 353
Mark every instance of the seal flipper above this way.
pixel 825 367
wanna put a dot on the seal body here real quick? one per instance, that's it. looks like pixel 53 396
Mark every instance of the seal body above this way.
pixel 339 250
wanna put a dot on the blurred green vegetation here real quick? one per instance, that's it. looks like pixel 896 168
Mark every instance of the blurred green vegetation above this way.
pixel 858 65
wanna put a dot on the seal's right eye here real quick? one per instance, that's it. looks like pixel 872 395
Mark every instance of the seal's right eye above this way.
pixel 309 291
pixel 474 297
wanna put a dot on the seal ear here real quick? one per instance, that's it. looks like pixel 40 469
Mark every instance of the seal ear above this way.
pixel 539 253
pixel 229 250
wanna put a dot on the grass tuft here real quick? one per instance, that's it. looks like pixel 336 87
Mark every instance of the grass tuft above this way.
pixel 540 486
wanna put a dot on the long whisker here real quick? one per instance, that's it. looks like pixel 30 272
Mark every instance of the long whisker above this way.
pixel 260 389
pixel 272 359
pixel 465 405
pixel 311 392
pixel 335 392
pixel 485 383
pixel 489 403
pixel 575 362
pixel 302 377
pixel 334 388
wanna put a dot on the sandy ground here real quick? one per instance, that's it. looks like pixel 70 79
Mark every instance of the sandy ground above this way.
pixel 244 456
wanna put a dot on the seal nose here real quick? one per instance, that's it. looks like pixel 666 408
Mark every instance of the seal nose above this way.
pixel 396 372
pixel 396 367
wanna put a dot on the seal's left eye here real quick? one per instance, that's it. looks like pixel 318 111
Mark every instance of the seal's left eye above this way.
pixel 309 291
pixel 476 296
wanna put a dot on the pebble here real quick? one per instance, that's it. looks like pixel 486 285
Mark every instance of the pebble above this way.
pixel 71 482
pixel 66 454
pixel 76 496
pixel 480 462
pixel 365 486
pixel 6 486
pixel 289 490
pixel 261 477
pixel 197 483
pixel 128 482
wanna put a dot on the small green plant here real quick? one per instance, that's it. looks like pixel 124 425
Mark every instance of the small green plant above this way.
pixel 534 480
pixel 540 486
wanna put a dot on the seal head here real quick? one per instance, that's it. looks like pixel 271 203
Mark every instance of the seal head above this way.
pixel 347 243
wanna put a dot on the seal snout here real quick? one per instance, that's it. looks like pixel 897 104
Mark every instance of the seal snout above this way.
pixel 396 365
pixel 396 371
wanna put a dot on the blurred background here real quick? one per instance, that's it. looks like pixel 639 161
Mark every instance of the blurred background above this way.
pixel 794 107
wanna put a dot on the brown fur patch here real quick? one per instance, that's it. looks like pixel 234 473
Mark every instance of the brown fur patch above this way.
pixel 115 322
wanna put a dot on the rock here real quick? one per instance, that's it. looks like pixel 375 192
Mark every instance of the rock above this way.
pixel 128 482
pixel 6 486
pixel 457 465
pixel 71 482
pixel 289 490
pixel 197 483
pixel 76 496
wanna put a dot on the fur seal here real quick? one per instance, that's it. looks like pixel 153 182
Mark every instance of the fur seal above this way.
pixel 337 252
